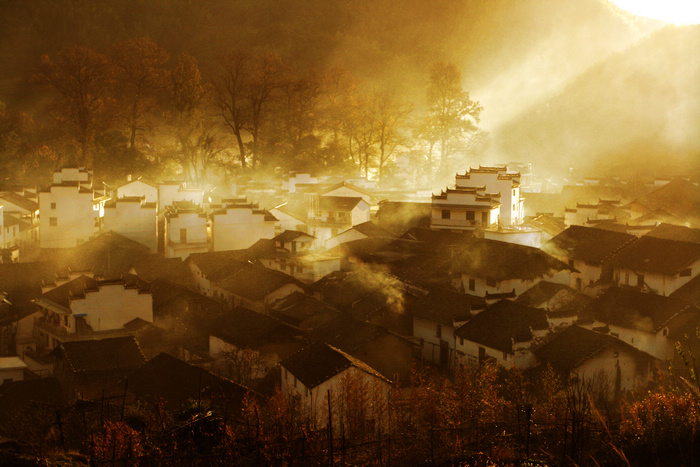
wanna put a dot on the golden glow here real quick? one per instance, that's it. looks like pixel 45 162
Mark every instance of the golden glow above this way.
pixel 672 11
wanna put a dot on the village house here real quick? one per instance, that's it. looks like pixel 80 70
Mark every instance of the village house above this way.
pixel 255 287
pixel 138 188
pixel 291 252
pixel 561 302
pixel 586 250
pixel 246 345
pixel 185 230
pixel 86 368
pixel 23 212
pixel 389 353
pixel 505 332
pixel 211 267
pixel 329 215
pixel 291 181
pixel 238 225
pixel 12 369
pixel 435 318
pixel 319 371
pixel 677 201
pixel 464 209
pixel 71 212
pixel 347 190
pixel 134 218
pixel 83 307
pixel 166 381
pixel 590 214
pixel 609 365
pixel 172 192
pixel 488 267
pixel 302 311
pixel 289 218
pixel 358 232
pixel 643 320
pixel 497 180
pixel 656 265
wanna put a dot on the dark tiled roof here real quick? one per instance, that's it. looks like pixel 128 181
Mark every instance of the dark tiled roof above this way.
pixel 346 333
pixel 435 240
pixel 112 354
pixel 543 291
pixel 657 255
pixel 248 329
pixel 291 235
pixel 675 232
pixel 19 201
pixel 446 307
pixel 346 185
pixel 370 229
pixel 109 254
pixel 216 265
pixel 496 260
pixel 588 244
pixel 338 203
pixel 678 197
pixel 502 323
pixel 317 363
pixel 153 267
pixel 22 281
pixel 170 379
pixel 369 249
pixel 574 345
pixel 547 223
pixel 689 292
pixel 400 216
pixel 297 308
pixel 256 282
pixel 636 310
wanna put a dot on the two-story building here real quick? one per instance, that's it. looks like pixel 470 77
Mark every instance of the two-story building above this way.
pixel 329 215
pixel 497 180
pixel 71 212
pixel 238 225
pixel 464 209
pixel 85 307
pixel 185 230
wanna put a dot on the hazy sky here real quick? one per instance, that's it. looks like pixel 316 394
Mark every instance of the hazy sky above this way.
pixel 673 11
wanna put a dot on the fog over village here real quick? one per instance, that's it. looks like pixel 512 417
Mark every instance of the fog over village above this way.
pixel 326 232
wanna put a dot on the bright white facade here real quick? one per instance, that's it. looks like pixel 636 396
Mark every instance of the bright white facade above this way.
pixel 139 189
pixel 464 209
pixel 185 230
pixel 70 214
pixel 239 226
pixel 499 181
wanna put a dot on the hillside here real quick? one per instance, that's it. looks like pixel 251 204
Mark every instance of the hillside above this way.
pixel 640 105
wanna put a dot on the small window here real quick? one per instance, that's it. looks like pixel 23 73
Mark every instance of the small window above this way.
pixel 53 205
pixel 686 272
pixel 445 213
pixel 53 221
pixel 491 282
pixel 438 332
pixel 472 284
pixel 461 341
pixel 470 215
pixel 640 280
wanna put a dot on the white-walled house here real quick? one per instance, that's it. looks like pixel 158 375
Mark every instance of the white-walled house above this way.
pixel 12 369
pixel 140 189
pixel 606 362
pixel 171 192
pixel 72 174
pixel 643 320
pixel 237 226
pixel 70 213
pixel 488 267
pixel 319 370
pixel 255 287
pixel 506 332
pixel 288 219
pixel 134 218
pixel 435 318
pixel 464 209
pixel 290 181
pixel 85 307
pixel 185 230
pixel 358 232
pixel 586 250
pixel 329 215
pixel 291 252
pixel 657 265
pixel 347 190
pixel 497 180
